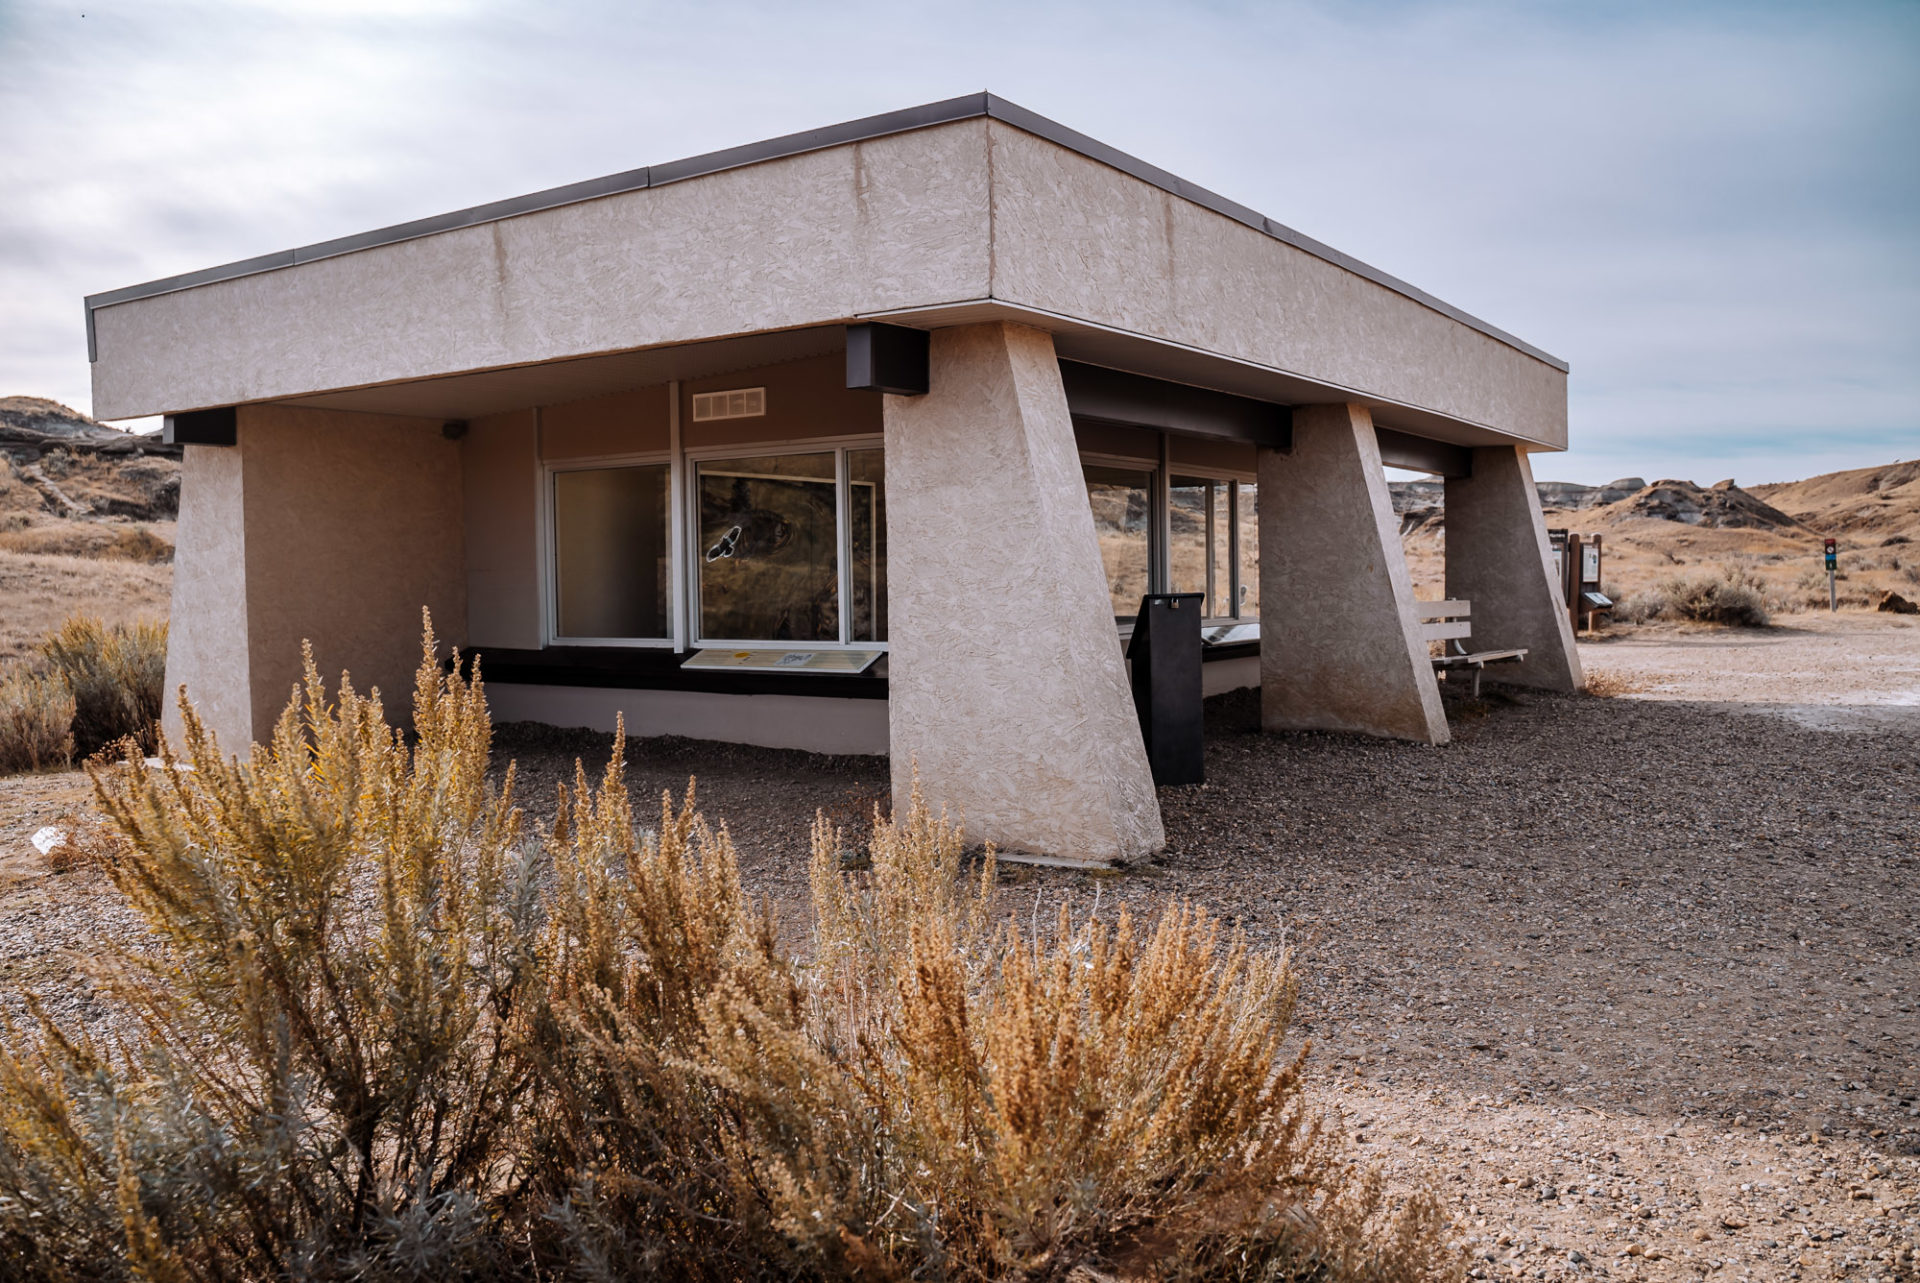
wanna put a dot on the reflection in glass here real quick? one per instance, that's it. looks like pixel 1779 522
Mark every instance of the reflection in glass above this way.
pixel 769 562
pixel 1220 596
pixel 867 527
pixel 1192 534
pixel 610 552
pixel 1122 511
pixel 1249 551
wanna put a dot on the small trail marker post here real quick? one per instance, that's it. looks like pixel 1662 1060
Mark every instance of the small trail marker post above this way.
pixel 1833 562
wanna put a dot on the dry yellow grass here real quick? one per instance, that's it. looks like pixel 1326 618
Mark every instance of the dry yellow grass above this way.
pixel 41 591
pixel 127 541
pixel 1605 684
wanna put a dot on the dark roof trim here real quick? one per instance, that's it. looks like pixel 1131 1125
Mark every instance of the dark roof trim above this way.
pixel 1423 454
pixel 968 107
pixel 1137 401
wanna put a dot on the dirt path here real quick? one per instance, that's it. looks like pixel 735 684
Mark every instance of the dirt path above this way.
pixel 1829 672
pixel 1632 981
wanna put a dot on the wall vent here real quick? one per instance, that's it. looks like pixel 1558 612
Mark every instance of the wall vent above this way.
pixel 741 403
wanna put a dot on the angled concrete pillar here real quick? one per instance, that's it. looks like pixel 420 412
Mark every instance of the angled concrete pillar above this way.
pixel 1340 643
pixel 1008 688
pixel 207 647
pixel 1498 559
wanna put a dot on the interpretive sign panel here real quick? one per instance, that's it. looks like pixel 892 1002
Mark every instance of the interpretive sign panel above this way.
pixel 787 661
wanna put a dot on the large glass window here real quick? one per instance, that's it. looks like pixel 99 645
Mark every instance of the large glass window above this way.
pixel 770 548
pixel 1220 600
pixel 610 553
pixel 1196 539
pixel 867 543
pixel 792 547
pixel 1249 540
pixel 1122 502
pixel 1209 529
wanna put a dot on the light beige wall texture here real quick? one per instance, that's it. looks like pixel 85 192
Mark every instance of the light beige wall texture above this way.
pixel 323 526
pixel 1007 684
pixel 970 211
pixel 1078 238
pixel 1499 559
pixel 895 222
pixel 353 524
pixel 1340 641
pixel 500 469
pixel 207 630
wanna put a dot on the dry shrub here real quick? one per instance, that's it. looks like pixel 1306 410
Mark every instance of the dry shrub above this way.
pixel 378 1035
pixel 1735 597
pixel 117 676
pixel 1610 685
pixel 138 543
pixel 96 539
pixel 36 720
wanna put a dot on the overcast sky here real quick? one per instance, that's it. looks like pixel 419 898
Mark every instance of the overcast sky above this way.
pixel 1708 209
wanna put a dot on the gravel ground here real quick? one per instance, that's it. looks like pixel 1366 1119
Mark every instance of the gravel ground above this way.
pixel 1631 980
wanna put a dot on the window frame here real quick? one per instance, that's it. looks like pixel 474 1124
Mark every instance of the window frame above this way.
pixel 549 551
pixel 1160 473
pixel 689 505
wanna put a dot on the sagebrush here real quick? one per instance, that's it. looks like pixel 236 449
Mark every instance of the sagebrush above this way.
pixel 117 675
pixel 36 720
pixel 381 1031
pixel 1734 597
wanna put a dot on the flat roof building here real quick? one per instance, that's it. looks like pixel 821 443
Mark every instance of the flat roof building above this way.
pixel 867 439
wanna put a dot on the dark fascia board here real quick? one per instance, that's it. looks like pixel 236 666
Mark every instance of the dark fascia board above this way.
pixel 967 107
pixel 1137 400
pixel 220 426
pixel 888 358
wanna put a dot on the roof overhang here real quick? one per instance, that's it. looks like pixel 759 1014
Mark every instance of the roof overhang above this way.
pixel 968 210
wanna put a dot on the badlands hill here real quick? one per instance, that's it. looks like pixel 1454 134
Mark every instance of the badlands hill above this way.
pixel 86 521
pixel 1864 503
pixel 1679 529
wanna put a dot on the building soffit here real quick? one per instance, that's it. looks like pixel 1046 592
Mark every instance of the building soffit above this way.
pixel 475 394
pixel 949 111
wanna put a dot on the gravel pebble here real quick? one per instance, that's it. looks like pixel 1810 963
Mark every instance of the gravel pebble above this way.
pixel 1631 981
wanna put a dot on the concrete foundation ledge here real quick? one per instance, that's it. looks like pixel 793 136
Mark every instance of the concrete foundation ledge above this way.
pixel 837 726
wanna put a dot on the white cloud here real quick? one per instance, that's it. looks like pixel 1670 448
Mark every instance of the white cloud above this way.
pixel 1708 210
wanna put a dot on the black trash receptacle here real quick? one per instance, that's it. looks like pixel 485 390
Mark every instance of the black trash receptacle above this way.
pixel 1165 653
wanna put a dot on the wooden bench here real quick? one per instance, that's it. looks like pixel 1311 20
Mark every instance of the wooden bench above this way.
pixel 1448 622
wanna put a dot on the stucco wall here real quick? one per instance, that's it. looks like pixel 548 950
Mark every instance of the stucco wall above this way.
pixel 353 523
pixel 1075 237
pixel 1340 642
pixel 500 488
pixel 805 399
pixel 966 212
pixel 633 422
pixel 890 223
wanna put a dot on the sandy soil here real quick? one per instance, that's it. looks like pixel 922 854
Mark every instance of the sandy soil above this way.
pixel 1631 980
pixel 1827 671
